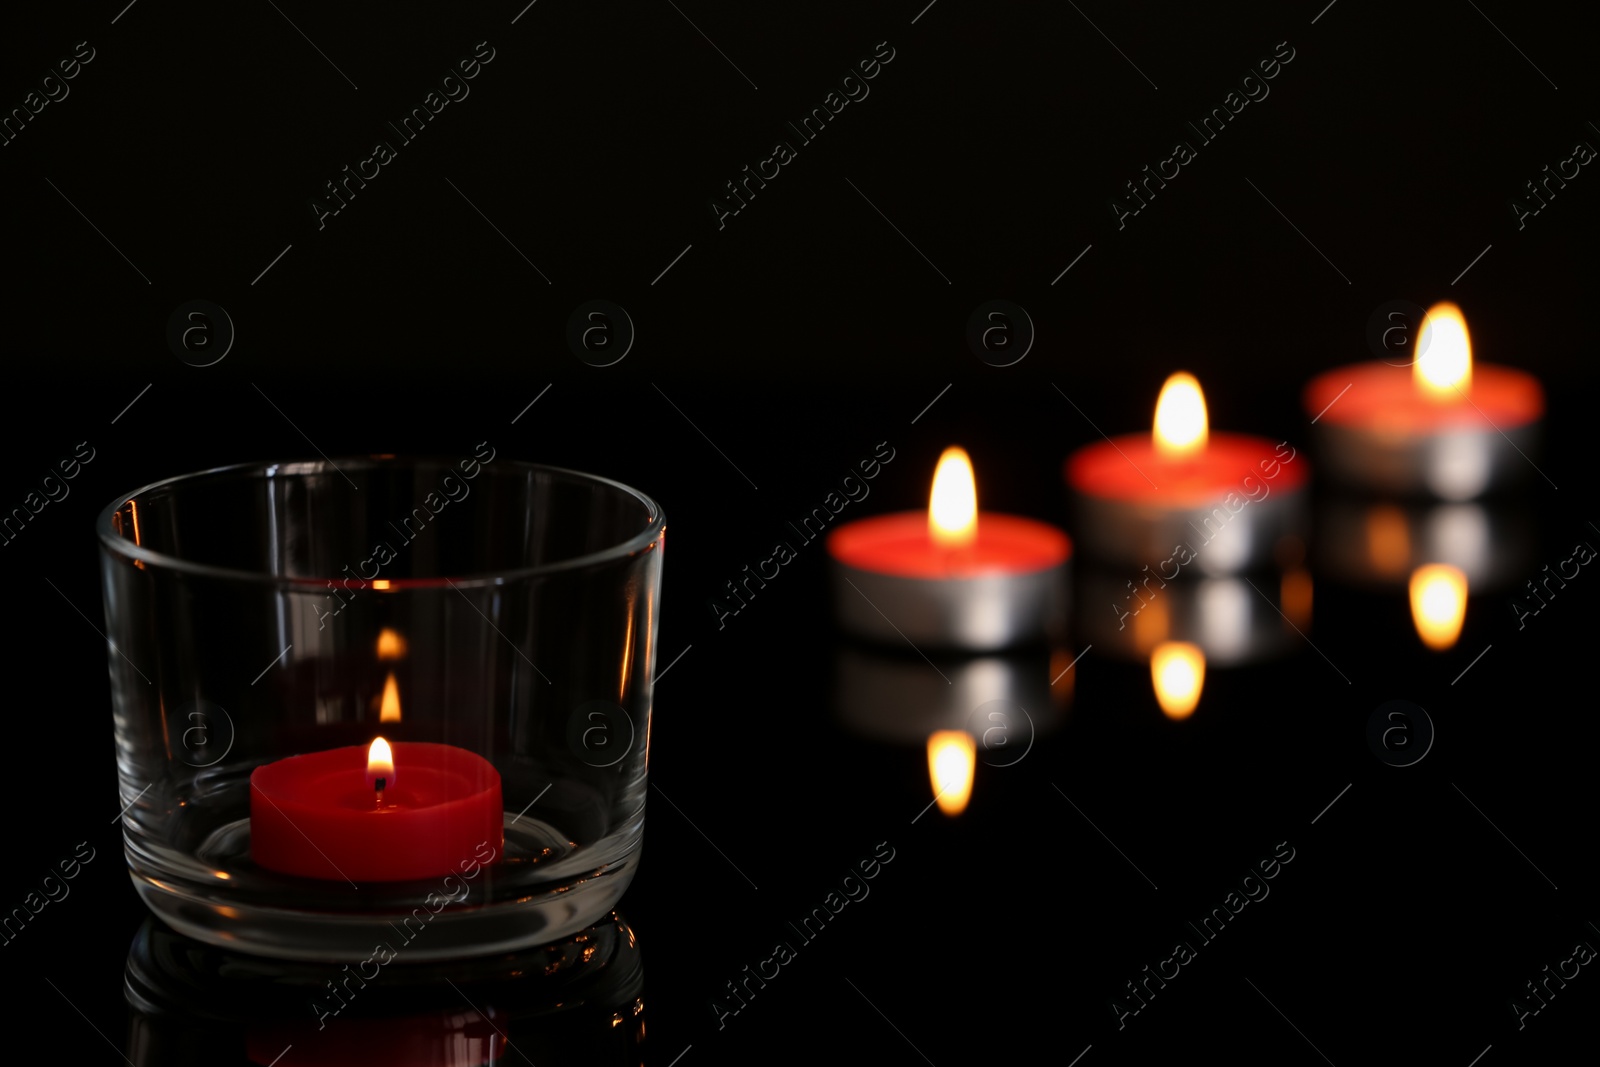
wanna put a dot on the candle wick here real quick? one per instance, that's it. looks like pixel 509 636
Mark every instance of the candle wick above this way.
pixel 381 783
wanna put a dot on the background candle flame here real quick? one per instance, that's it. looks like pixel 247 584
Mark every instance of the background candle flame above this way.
pixel 389 710
pixel 1443 368
pixel 1180 427
pixel 953 503
pixel 1438 604
pixel 1178 671
pixel 952 756
pixel 390 644
pixel 380 762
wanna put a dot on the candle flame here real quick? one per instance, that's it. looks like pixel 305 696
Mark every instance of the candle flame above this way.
pixel 390 644
pixel 1178 671
pixel 389 710
pixel 952 756
pixel 1443 370
pixel 380 762
pixel 1438 604
pixel 953 503
pixel 1181 427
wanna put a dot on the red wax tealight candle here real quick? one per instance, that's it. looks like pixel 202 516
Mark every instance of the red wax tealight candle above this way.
pixel 1440 427
pixel 375 813
pixel 1182 495
pixel 951 577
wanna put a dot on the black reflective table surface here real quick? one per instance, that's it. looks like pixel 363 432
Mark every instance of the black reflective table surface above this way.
pixel 1289 868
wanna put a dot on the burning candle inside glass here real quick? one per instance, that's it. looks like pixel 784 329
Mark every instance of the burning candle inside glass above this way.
pixel 375 812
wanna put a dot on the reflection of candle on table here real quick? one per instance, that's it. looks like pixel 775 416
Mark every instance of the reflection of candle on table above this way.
pixel 1442 426
pixel 1438 604
pixel 1181 494
pixel 950 577
pixel 1379 543
pixel 1178 672
pixel 1231 623
pixel 375 813
pixel 952 759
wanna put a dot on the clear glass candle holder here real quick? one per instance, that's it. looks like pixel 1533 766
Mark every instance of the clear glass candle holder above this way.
pixel 493 622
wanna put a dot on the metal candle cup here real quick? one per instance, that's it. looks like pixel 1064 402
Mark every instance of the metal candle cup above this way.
pixel 1223 502
pixel 890 584
pixel 974 582
pixel 1454 433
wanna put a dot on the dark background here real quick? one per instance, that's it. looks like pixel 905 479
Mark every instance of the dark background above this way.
pixel 791 342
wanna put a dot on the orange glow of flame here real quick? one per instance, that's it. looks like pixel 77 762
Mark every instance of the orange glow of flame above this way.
pixel 953 503
pixel 1181 427
pixel 1063 678
pixel 1151 625
pixel 381 584
pixel 389 710
pixel 1438 604
pixel 390 644
pixel 1388 540
pixel 1178 671
pixel 380 762
pixel 1443 371
pixel 952 756
pixel 1295 591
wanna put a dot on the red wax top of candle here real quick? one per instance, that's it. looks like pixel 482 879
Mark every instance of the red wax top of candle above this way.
pixel 1386 398
pixel 899 544
pixel 1130 468
pixel 317 816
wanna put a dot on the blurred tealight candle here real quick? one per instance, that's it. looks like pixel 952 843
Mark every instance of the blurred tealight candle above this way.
pixel 950 577
pixel 1181 494
pixel 1444 426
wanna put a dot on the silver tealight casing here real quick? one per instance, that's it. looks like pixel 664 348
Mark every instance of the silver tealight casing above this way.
pixel 1222 541
pixel 982 613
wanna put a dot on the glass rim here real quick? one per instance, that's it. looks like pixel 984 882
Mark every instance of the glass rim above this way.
pixel 114 543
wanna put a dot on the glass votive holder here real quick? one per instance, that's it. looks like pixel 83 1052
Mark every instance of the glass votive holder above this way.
pixel 373 698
